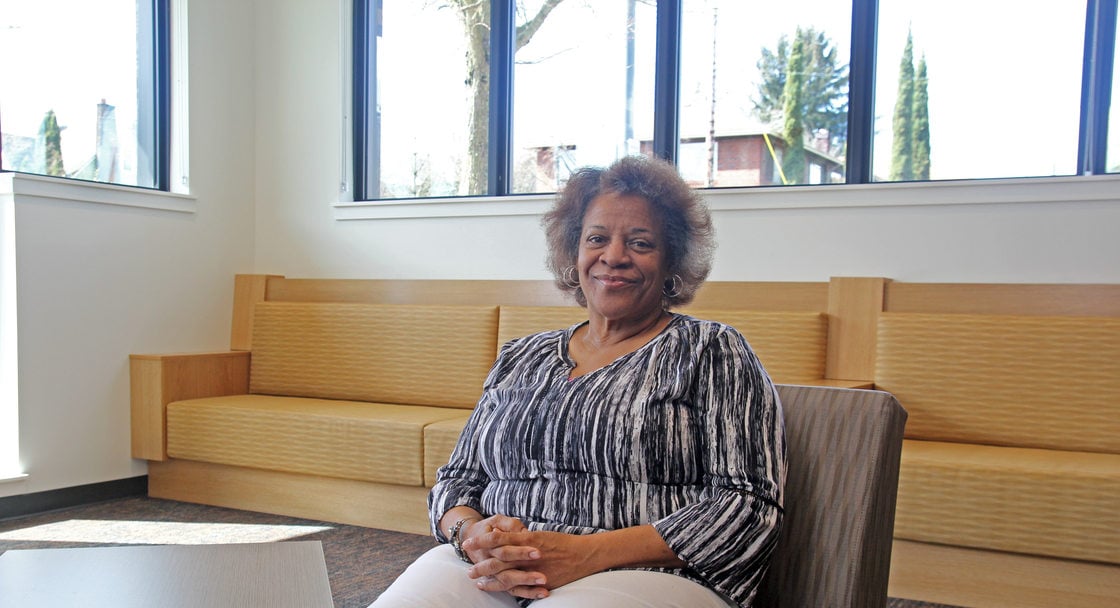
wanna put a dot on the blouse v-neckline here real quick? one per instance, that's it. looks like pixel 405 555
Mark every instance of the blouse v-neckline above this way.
pixel 566 339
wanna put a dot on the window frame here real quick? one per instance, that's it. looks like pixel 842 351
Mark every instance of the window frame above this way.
pixel 1097 69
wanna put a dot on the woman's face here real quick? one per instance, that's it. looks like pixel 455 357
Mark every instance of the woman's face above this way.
pixel 621 257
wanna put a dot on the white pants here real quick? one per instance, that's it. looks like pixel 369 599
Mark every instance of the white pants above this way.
pixel 438 579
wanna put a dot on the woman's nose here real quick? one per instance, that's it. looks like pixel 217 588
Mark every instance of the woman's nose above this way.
pixel 615 254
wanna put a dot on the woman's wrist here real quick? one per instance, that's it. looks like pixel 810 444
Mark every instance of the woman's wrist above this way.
pixel 458 533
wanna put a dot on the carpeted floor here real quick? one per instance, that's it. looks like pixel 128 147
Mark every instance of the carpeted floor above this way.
pixel 361 562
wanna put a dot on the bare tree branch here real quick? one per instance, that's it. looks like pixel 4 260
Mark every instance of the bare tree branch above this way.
pixel 526 30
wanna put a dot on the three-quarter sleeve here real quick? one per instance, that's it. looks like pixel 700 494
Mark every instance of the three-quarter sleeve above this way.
pixel 462 480
pixel 727 536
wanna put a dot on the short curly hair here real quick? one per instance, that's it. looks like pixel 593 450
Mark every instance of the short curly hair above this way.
pixel 685 221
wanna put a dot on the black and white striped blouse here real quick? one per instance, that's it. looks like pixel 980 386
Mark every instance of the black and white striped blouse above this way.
pixel 684 433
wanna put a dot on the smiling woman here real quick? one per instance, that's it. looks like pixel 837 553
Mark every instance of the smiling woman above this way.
pixel 639 454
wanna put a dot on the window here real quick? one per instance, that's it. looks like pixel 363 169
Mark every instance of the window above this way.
pixel 960 95
pixel 987 91
pixel 85 90
pixel 582 88
pixel 735 58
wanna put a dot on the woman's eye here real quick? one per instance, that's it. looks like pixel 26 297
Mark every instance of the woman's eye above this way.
pixel 641 245
pixel 596 239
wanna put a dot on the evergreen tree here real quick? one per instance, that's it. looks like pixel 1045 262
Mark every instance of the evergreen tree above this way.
pixel 793 128
pixel 902 153
pixel 921 122
pixel 825 93
pixel 52 140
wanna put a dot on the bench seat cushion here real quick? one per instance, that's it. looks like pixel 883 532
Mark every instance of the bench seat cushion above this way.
pixel 347 439
pixel 1024 500
pixel 439 440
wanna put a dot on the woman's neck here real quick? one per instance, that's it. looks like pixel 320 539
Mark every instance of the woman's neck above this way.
pixel 604 333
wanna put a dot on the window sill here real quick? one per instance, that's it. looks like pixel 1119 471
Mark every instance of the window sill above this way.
pixel 29 188
pixel 1066 189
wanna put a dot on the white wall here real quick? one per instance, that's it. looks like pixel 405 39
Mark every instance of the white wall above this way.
pixel 97 282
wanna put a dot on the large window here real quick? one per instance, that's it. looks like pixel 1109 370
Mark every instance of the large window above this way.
pixel 974 89
pixel 736 93
pixel 84 89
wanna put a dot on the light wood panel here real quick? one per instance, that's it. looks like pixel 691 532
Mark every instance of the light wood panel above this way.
pixel 989 579
pixel 248 289
pixel 1008 299
pixel 358 503
pixel 854 304
pixel 157 380
pixel 762 296
pixel 403 291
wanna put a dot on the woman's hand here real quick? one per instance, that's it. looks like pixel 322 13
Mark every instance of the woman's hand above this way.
pixel 474 529
pixel 528 564
pixel 500 557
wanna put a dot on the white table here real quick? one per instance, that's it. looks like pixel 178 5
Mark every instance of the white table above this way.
pixel 264 574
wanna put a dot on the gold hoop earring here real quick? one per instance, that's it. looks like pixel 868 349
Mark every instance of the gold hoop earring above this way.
pixel 673 287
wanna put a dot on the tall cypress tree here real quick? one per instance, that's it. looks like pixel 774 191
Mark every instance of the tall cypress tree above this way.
pixel 793 130
pixel 921 122
pixel 902 154
pixel 52 140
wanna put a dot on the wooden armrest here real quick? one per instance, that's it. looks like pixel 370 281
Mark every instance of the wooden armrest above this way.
pixel 157 380
pixel 828 382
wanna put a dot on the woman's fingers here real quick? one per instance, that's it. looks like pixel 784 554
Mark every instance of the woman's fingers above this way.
pixel 527 582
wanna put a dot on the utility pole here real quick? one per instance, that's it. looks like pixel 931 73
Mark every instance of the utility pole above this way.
pixel 711 180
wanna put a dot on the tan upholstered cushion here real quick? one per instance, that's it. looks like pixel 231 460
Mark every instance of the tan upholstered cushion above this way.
pixel 519 321
pixel 1045 502
pixel 791 345
pixel 1043 382
pixel 365 441
pixel 423 355
pixel 439 440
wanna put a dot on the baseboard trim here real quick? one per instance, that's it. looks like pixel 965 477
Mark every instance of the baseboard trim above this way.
pixel 51 500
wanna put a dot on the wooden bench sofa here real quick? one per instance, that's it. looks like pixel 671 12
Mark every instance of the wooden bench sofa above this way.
pixel 340 398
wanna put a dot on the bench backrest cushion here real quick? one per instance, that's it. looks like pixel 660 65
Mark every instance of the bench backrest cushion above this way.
pixel 791 345
pixel 1027 381
pixel 404 354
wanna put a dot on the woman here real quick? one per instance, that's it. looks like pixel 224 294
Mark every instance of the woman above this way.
pixel 635 459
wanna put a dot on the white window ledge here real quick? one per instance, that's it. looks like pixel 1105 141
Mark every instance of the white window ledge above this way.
pixel 1066 189
pixel 28 188
pixel 13 478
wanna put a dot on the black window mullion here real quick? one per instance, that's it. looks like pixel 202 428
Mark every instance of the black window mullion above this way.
pixel 153 85
pixel 666 83
pixel 861 91
pixel 1096 86
pixel 367 120
pixel 503 32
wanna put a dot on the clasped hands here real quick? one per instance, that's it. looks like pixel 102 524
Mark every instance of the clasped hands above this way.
pixel 509 557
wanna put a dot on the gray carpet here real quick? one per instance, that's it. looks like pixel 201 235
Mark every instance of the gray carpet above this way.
pixel 361 562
